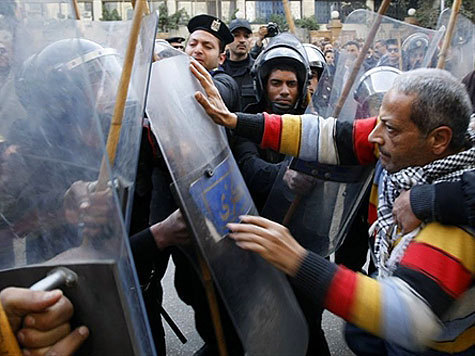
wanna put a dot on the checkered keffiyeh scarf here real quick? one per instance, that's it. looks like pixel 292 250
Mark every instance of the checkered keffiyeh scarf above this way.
pixel 447 169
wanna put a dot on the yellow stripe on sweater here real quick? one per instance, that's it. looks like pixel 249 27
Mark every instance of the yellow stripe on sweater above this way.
pixel 291 135
pixel 366 312
pixel 452 240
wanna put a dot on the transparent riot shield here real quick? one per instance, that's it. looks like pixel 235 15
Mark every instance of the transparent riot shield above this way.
pixel 212 192
pixel 410 41
pixel 320 219
pixel 52 211
pixel 460 58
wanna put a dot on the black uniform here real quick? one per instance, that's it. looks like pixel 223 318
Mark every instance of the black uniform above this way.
pixel 241 73
pixel 228 89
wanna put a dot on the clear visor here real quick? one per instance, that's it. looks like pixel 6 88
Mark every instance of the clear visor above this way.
pixel 103 74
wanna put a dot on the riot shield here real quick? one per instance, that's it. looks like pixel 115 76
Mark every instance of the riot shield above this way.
pixel 460 57
pixel 211 193
pixel 51 213
pixel 320 219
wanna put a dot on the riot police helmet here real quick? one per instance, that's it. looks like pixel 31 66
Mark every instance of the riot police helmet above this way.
pixel 315 57
pixel 283 50
pixel 69 79
pixel 414 49
pixel 371 88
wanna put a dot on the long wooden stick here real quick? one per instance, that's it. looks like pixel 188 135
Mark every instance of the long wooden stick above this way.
pixel 346 90
pixel 288 16
pixel 8 343
pixel 449 34
pixel 213 304
pixel 116 123
pixel 76 9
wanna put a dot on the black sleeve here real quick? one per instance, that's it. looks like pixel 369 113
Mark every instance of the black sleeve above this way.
pixel 258 174
pixel 145 252
pixel 250 126
pixel 255 51
pixel 451 203
pixel 229 91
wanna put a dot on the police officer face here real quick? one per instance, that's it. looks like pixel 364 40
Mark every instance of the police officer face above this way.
pixel 242 42
pixel 282 88
pixel 393 51
pixel 313 81
pixel 415 57
pixel 204 47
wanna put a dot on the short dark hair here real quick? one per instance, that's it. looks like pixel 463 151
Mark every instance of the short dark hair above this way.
pixel 439 100
pixel 383 42
pixel 352 43
pixel 328 51
pixel 391 42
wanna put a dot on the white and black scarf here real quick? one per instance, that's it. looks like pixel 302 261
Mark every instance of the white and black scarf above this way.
pixel 447 169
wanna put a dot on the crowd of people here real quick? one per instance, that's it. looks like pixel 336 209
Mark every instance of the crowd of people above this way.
pixel 417 218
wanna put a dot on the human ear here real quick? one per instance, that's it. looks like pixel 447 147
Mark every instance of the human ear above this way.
pixel 440 139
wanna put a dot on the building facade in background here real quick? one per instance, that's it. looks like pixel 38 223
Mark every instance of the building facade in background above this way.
pixel 252 10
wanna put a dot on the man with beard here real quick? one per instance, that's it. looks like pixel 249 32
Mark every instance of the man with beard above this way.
pixel 239 63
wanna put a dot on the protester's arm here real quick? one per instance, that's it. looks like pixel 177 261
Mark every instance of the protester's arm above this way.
pixel 40 321
pixel 451 203
pixel 258 46
pixel 404 309
pixel 308 137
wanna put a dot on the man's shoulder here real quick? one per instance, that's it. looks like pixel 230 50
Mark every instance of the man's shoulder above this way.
pixel 219 76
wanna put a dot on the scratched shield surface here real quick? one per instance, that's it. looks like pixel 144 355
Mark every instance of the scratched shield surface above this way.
pixel 211 192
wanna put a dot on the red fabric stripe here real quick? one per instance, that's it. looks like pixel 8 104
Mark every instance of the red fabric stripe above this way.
pixel 364 150
pixel 372 213
pixel 272 132
pixel 341 293
pixel 447 271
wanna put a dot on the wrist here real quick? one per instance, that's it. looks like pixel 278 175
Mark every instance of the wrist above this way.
pixel 231 120
pixel 301 254
pixel 158 236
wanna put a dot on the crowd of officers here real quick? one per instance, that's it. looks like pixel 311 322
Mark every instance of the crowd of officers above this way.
pixel 277 79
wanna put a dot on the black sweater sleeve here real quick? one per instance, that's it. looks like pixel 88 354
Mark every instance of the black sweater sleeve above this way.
pixel 451 203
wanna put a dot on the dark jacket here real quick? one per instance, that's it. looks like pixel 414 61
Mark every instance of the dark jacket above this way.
pixel 241 73
pixel 259 167
pixel 228 89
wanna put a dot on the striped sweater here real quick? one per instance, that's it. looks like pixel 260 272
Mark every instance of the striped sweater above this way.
pixel 429 301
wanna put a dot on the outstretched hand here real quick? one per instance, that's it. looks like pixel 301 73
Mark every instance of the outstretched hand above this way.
pixel 270 240
pixel 213 104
